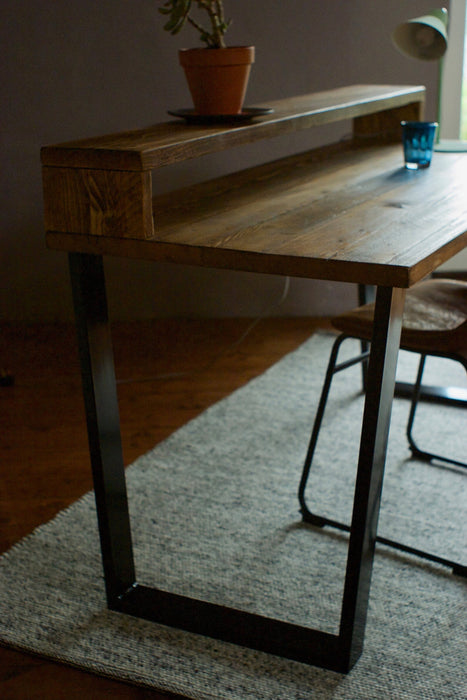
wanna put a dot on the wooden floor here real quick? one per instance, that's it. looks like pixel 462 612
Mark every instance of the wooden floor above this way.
pixel 168 371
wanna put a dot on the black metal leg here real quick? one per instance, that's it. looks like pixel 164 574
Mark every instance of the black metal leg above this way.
pixel 320 521
pixel 337 652
pixel 375 430
pixel 365 296
pixel 100 398
pixel 124 594
pixel 413 407
pixel 416 451
pixel 332 369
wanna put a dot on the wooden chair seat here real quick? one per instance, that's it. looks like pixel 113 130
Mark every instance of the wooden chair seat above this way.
pixel 434 320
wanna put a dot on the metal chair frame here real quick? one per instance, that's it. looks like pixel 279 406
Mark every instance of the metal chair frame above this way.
pixel 333 368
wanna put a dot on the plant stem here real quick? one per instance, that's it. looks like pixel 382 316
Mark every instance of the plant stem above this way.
pixel 214 10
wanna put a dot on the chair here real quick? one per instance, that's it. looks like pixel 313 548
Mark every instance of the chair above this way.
pixel 434 324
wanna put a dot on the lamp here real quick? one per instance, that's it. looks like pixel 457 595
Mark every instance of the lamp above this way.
pixel 423 37
pixel 426 38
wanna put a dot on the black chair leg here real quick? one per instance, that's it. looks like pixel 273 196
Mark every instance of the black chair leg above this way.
pixel 319 521
pixel 416 451
pixel 332 369
pixel 366 294
pixel 306 513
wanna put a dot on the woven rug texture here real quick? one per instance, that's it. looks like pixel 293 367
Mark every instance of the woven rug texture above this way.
pixel 215 515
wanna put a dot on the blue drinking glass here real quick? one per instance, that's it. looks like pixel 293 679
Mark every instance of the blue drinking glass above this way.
pixel 418 139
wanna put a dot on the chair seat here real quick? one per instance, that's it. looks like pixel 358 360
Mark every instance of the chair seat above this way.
pixel 434 320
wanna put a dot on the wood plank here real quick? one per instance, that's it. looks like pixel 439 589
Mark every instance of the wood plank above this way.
pixel 171 142
pixel 355 216
pixel 385 127
pixel 98 202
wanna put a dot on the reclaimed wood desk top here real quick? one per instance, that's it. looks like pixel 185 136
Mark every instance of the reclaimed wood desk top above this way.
pixel 345 212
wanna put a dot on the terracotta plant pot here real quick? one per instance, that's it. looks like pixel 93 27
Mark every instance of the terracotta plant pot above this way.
pixel 218 78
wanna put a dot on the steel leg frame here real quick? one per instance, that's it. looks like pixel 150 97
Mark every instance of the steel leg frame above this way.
pixel 336 652
pixel 416 451
pixel 321 521
pixel 103 423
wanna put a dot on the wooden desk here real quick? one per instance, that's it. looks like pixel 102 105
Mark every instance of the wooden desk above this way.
pixel 347 212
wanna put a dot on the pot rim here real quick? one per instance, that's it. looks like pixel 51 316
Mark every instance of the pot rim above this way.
pixel 230 55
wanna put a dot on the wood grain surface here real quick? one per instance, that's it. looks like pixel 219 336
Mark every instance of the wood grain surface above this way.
pixel 174 141
pixel 350 215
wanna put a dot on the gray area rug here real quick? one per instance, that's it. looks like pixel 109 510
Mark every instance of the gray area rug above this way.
pixel 215 515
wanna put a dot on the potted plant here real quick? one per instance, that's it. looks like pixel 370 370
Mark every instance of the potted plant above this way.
pixel 217 75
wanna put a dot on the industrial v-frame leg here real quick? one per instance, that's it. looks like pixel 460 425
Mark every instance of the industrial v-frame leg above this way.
pixel 337 652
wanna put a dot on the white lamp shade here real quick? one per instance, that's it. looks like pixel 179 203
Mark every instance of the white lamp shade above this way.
pixel 423 37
